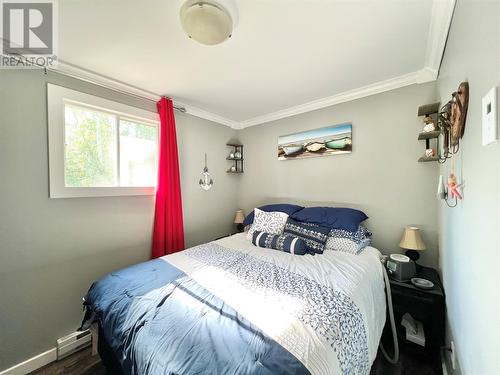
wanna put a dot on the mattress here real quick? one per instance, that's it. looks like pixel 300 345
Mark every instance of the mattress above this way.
pixel 228 307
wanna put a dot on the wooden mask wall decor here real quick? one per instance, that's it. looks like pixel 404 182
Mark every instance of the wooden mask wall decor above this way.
pixel 451 120
pixel 459 105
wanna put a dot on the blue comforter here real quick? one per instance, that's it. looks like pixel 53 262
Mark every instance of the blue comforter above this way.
pixel 158 320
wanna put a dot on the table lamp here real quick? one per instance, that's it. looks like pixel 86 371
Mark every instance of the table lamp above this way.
pixel 412 242
pixel 239 216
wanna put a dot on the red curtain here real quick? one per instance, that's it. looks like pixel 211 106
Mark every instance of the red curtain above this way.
pixel 168 229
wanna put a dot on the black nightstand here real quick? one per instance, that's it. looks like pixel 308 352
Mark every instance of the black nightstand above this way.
pixel 426 306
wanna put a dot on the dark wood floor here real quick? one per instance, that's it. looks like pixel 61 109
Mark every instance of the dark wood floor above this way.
pixel 80 363
pixel 412 362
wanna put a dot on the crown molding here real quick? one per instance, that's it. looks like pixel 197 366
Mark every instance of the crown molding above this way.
pixel 439 27
pixel 440 23
pixel 361 92
pixel 426 75
pixel 210 116
pixel 82 74
pixel 90 76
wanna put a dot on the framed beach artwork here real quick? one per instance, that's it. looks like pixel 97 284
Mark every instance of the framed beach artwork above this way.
pixel 332 140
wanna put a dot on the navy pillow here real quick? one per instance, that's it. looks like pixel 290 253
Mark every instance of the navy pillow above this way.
pixel 314 235
pixel 284 242
pixel 286 208
pixel 331 217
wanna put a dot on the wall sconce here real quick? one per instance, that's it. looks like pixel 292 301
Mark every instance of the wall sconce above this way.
pixel 449 191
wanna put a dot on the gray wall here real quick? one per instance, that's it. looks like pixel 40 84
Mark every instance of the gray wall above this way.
pixel 469 234
pixel 51 250
pixel 381 176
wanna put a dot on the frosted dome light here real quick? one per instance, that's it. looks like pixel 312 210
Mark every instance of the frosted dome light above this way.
pixel 208 22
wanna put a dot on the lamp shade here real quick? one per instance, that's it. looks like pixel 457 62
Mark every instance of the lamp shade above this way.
pixel 239 216
pixel 412 240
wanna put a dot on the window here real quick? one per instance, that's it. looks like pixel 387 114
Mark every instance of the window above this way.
pixel 98 147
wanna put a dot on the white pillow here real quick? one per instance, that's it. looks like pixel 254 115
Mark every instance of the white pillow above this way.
pixel 268 222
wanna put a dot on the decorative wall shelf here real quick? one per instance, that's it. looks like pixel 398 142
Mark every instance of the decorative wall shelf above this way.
pixel 425 159
pixel 429 135
pixel 236 156
pixel 430 112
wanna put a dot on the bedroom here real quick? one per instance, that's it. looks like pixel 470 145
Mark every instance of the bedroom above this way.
pixel 135 129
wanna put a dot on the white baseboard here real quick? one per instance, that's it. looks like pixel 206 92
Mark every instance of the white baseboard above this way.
pixel 32 364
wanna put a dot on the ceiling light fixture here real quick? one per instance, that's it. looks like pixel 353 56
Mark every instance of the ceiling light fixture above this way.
pixel 208 22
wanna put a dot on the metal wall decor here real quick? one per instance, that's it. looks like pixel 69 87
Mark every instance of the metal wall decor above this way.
pixel 206 181
pixel 451 120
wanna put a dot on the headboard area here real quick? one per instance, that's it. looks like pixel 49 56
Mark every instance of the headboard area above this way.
pixel 387 228
pixel 306 203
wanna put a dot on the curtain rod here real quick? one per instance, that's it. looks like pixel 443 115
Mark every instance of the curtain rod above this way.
pixel 76 76
pixel 120 91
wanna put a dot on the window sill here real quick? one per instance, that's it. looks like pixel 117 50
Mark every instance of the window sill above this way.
pixel 80 192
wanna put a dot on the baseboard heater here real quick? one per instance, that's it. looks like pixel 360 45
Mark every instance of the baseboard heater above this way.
pixel 72 343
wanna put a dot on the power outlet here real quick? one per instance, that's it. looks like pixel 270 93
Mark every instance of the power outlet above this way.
pixel 452 355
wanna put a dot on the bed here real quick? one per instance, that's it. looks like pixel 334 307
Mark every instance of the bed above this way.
pixel 229 307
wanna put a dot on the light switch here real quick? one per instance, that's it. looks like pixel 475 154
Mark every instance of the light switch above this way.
pixel 490 117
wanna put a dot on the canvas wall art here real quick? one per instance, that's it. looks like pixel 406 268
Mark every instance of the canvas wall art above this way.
pixel 332 140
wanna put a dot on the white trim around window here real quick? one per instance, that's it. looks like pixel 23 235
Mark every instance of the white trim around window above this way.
pixel 57 98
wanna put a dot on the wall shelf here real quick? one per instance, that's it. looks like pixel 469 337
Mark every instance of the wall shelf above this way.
pixel 237 166
pixel 430 111
pixel 429 135
pixel 425 159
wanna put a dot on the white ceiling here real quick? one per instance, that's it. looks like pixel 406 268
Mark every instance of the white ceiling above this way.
pixel 283 53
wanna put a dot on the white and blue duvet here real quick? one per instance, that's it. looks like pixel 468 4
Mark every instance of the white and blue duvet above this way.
pixel 228 307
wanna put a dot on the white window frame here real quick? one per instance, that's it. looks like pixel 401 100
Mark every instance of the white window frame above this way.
pixel 57 97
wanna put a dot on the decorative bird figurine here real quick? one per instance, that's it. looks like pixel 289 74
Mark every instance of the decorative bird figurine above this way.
pixel 206 182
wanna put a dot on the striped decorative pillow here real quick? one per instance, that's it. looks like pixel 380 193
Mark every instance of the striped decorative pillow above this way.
pixel 284 242
pixel 314 235
pixel 348 242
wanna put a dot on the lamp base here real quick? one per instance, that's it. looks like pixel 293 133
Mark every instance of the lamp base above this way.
pixel 240 228
pixel 413 255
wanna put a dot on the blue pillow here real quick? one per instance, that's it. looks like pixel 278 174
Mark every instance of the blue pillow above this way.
pixel 331 217
pixel 314 235
pixel 284 242
pixel 286 208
